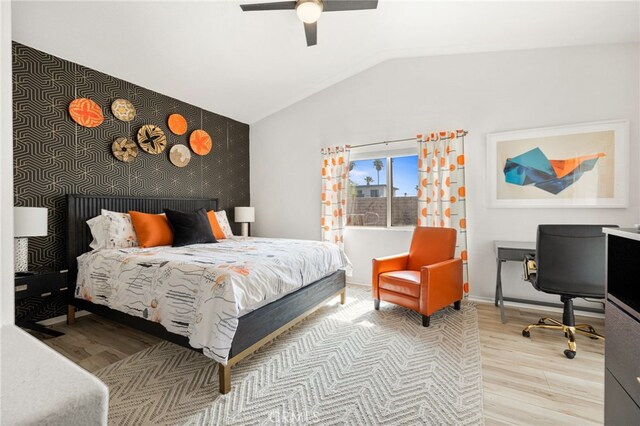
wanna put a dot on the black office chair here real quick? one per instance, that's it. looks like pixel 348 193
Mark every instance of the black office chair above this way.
pixel 570 261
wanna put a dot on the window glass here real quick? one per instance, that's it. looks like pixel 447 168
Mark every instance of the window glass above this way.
pixel 367 193
pixel 404 194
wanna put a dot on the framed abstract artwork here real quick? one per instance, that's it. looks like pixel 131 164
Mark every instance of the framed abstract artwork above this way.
pixel 574 166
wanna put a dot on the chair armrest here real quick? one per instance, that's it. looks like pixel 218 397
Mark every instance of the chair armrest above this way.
pixel 441 285
pixel 387 264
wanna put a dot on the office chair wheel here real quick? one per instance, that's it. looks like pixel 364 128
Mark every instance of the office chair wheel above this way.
pixel 526 333
pixel 569 354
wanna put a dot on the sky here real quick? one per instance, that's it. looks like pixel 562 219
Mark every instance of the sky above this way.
pixel 405 173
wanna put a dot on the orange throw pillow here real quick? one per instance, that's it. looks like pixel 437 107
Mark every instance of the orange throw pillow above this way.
pixel 215 226
pixel 152 229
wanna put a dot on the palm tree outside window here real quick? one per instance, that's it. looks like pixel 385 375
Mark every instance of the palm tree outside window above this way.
pixel 387 200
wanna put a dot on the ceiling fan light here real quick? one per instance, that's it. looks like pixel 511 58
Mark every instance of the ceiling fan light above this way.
pixel 309 11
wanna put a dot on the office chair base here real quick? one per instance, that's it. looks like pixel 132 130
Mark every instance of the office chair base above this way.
pixel 569 332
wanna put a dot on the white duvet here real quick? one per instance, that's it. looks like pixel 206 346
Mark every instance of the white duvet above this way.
pixel 200 291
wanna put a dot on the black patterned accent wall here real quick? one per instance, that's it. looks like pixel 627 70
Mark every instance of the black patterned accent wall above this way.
pixel 54 156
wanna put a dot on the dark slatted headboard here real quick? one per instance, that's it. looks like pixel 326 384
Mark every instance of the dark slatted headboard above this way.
pixel 80 208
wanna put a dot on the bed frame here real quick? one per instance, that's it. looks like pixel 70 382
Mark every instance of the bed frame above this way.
pixel 254 329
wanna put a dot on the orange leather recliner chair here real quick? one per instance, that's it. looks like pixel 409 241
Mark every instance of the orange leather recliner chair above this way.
pixel 426 279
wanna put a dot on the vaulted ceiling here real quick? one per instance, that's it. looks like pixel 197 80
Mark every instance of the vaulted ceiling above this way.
pixel 248 65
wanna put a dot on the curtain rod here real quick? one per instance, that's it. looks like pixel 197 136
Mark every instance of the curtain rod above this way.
pixel 381 143
pixel 393 141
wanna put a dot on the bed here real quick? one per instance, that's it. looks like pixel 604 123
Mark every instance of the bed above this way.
pixel 254 326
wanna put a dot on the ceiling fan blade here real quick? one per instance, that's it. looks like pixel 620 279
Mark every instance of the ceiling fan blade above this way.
pixel 311 31
pixel 340 5
pixel 281 5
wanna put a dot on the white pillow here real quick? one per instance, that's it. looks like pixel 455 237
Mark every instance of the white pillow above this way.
pixel 118 230
pixel 96 225
pixel 224 223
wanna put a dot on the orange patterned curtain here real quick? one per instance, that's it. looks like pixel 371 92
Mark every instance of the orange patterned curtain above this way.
pixel 335 175
pixel 442 195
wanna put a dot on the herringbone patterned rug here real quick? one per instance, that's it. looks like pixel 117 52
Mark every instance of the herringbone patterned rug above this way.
pixel 343 365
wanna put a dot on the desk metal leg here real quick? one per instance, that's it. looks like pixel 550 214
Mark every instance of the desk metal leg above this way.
pixel 499 300
pixel 498 280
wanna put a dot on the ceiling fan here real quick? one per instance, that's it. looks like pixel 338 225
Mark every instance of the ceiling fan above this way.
pixel 309 11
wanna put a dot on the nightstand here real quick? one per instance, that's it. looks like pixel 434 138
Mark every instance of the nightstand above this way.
pixel 39 284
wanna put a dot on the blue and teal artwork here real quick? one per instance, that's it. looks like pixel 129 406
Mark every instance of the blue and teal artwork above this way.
pixel 554 176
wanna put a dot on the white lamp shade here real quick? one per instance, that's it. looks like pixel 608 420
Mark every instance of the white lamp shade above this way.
pixel 29 222
pixel 245 214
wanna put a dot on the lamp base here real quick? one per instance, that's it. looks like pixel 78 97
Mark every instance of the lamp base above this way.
pixel 21 253
pixel 245 229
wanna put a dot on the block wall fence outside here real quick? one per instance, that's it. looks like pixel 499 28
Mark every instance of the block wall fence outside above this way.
pixel 372 211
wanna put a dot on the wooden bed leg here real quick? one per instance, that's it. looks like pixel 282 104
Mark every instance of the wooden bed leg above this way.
pixel 71 314
pixel 224 378
pixel 343 296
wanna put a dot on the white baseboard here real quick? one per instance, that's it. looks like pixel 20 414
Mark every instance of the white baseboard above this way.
pixel 482 299
pixel 554 309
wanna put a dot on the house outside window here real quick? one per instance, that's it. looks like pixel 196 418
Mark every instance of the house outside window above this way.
pixel 383 192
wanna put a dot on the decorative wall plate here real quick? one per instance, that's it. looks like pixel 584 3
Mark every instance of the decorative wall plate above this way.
pixel 177 124
pixel 123 110
pixel 124 149
pixel 200 142
pixel 179 155
pixel 85 112
pixel 152 139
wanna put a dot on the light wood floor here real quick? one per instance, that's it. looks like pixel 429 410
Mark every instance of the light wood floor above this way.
pixel 526 381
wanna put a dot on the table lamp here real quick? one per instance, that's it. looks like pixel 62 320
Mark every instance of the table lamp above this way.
pixel 245 215
pixel 27 222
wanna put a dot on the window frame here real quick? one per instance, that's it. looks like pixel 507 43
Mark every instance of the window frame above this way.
pixel 386 156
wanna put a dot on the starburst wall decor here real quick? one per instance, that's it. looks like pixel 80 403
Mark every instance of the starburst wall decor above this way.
pixel 85 112
pixel 123 110
pixel 200 142
pixel 152 139
pixel 124 149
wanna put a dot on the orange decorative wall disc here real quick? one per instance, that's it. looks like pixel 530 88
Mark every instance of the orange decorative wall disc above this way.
pixel 177 124
pixel 200 142
pixel 85 112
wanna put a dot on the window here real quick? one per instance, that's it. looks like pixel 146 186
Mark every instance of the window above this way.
pixel 404 197
pixel 383 192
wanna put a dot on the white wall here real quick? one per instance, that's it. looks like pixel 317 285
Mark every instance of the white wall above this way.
pixel 481 93
pixel 6 169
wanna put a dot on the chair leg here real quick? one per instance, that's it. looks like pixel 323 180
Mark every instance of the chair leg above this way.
pixel 426 319
pixel 571 352
pixel 567 326
pixel 376 304
pixel 456 305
